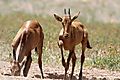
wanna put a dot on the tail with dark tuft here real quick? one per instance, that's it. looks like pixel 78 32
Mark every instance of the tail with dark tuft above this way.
pixel 88 45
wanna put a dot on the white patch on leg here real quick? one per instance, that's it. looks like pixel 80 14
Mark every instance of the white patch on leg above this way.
pixel 23 61
pixel 18 52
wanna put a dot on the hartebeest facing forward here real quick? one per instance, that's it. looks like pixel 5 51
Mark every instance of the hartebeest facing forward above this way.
pixel 72 34
pixel 29 36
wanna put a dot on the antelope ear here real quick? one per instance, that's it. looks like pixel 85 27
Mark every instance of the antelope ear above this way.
pixel 76 16
pixel 58 18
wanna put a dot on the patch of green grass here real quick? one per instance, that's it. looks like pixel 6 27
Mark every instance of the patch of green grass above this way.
pixel 103 59
pixel 104 38
pixel 111 62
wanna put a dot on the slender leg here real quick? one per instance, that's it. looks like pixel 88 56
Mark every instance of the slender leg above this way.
pixel 60 44
pixel 27 65
pixel 68 61
pixel 63 60
pixel 40 65
pixel 14 55
pixel 84 45
pixel 39 51
pixel 73 65
pixel 40 60
pixel 82 61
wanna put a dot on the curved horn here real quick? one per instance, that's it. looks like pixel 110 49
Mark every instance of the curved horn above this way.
pixel 65 11
pixel 69 13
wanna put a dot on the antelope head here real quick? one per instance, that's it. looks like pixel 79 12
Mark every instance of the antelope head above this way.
pixel 15 68
pixel 66 22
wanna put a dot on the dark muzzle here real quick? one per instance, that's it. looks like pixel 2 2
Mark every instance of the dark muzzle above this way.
pixel 66 35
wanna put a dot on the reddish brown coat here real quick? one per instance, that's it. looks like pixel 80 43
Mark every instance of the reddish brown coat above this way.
pixel 72 34
pixel 29 36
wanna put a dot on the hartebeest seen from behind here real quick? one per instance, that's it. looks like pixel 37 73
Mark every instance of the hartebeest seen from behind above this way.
pixel 72 34
pixel 30 36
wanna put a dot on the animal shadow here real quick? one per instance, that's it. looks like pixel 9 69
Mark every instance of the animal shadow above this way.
pixel 55 76
pixel 58 76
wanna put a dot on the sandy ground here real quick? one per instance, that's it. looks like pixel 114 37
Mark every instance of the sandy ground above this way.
pixel 57 73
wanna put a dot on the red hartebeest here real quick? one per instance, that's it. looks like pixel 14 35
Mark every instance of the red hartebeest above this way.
pixel 29 36
pixel 72 33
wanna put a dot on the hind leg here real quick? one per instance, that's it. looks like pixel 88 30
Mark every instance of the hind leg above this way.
pixel 39 51
pixel 84 45
pixel 40 59
pixel 27 65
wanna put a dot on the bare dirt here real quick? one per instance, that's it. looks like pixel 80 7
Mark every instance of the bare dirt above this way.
pixel 57 73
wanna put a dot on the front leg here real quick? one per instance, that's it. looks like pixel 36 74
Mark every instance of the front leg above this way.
pixel 67 64
pixel 73 64
pixel 27 65
pixel 14 55
pixel 60 44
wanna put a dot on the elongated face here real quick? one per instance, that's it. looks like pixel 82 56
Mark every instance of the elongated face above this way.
pixel 66 23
